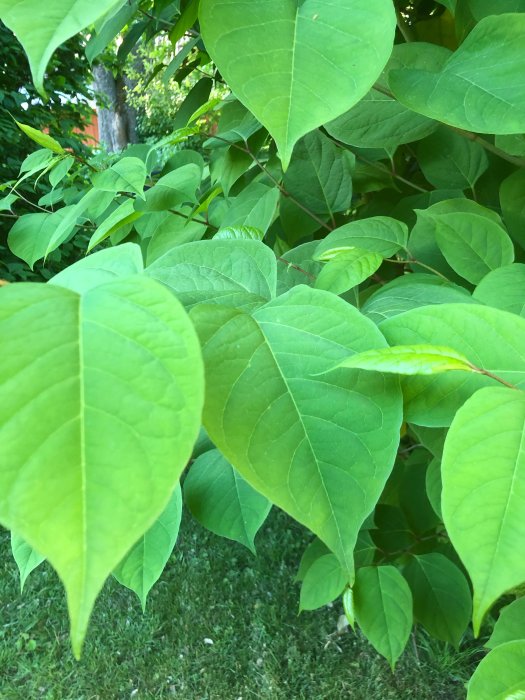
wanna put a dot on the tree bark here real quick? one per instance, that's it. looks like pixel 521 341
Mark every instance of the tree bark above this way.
pixel 116 119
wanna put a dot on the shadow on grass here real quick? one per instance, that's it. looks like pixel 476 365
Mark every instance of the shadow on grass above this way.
pixel 216 590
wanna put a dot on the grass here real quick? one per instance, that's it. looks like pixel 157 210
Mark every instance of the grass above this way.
pixel 211 589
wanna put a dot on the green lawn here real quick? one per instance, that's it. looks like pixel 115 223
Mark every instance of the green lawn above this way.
pixel 212 589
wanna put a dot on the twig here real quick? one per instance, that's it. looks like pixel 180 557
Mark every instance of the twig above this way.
pixel 277 183
pixel 296 267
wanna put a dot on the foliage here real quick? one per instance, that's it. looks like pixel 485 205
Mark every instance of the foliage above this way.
pixel 338 279
pixel 63 115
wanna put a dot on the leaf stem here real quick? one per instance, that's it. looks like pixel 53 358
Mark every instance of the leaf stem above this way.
pixel 486 373
pixel 413 261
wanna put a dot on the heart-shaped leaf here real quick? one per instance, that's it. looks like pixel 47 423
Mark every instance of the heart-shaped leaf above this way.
pixel 41 30
pixel 334 438
pixel 297 64
pixel 100 402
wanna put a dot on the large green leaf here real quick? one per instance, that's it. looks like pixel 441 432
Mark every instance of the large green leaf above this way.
pixel 380 234
pixel 143 565
pixel 111 384
pixel 491 339
pixel 383 609
pixel 121 261
pixel 233 273
pixel 319 175
pixel 27 560
pixel 510 624
pixel 472 245
pixel 221 500
pixel 41 30
pixel 482 85
pixel 484 490
pixel 503 288
pixel 501 674
pixel 297 64
pixel 333 439
pixel 323 582
pixel 442 598
pixel 423 237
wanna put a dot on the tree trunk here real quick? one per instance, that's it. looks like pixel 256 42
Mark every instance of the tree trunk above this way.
pixel 116 119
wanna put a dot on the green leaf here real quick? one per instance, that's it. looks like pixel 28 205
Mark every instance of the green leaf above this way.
pixel 379 234
pixel 512 199
pixel 323 582
pixel 124 214
pixel 109 29
pixel 449 160
pixel 170 231
pixel 196 97
pixel 126 175
pixel 423 237
pixel 472 245
pixel 383 609
pixel 410 292
pixel 60 170
pixel 118 366
pixel 29 237
pixel 503 289
pixel 489 100
pixel 442 599
pixel 27 560
pixel 333 441
pixel 434 485
pixel 501 674
pixel 315 549
pixel 510 625
pixel 220 499
pixel 483 492
pixel 319 175
pixel 175 188
pixel 143 565
pixel 491 339
pixel 7 202
pixel 227 272
pixel 68 217
pixel 249 233
pixel 235 124
pixel 104 266
pixel 35 135
pixel 61 20
pixel 409 359
pixel 297 266
pixel 285 65
pixel 347 269
pixel 255 206
pixel 379 120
